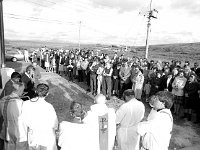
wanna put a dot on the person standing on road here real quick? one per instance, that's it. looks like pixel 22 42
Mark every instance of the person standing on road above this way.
pixel 127 118
pixel 26 56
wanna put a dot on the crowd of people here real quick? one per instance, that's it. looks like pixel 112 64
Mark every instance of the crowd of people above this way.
pixel 28 122
pixel 112 75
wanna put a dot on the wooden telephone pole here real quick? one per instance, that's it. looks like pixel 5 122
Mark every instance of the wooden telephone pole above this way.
pixel 79 39
pixel 151 14
pixel 2 44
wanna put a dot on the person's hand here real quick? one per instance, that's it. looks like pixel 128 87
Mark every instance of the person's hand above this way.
pixel 186 95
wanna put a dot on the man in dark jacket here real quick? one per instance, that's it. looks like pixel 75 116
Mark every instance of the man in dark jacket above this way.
pixel 28 80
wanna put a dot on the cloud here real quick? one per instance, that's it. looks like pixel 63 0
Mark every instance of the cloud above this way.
pixel 120 5
pixel 191 6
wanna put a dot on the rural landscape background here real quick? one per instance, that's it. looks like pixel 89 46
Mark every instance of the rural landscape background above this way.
pixel 167 52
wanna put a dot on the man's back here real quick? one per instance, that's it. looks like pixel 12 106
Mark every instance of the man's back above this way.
pixel 130 113
pixel 13 129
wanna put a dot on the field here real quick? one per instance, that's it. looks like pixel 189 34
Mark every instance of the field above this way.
pixel 168 52
pixel 185 135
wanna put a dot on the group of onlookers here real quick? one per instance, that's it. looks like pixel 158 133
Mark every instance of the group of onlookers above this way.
pixel 112 75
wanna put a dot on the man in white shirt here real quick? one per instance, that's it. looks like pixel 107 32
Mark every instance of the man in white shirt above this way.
pixel 41 119
pixel 127 118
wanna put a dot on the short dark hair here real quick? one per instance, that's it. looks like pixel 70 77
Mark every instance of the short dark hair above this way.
pixel 128 93
pixel 76 109
pixel 15 75
pixel 166 97
pixel 30 67
pixel 42 90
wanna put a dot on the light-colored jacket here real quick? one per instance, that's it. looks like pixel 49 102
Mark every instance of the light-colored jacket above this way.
pixel 13 128
pixel 178 86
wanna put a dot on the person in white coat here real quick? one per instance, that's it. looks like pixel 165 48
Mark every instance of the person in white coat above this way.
pixel 156 131
pixel 127 118
pixel 137 79
pixel 13 130
pixel 41 120
pixel 108 124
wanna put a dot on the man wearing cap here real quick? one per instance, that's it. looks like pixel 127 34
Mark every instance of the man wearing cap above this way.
pixel 102 122
pixel 41 120
pixel 127 118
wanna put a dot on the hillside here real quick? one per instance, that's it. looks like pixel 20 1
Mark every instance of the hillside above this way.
pixel 184 51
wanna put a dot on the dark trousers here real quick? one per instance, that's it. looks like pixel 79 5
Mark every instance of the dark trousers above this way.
pixel 106 86
pixel 57 67
pixel 70 75
pixel 42 63
pixel 84 75
pixel 88 79
pixel 80 76
pixel 123 87
pixel 116 84
pixel 93 83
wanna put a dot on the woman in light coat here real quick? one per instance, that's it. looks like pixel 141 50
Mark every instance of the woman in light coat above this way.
pixel 137 79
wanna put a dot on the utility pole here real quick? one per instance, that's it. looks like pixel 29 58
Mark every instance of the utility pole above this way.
pixel 79 39
pixel 2 43
pixel 151 14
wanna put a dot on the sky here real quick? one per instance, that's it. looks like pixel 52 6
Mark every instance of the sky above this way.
pixel 120 22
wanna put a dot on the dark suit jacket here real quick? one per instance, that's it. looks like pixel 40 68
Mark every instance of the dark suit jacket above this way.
pixel 164 84
pixel 29 85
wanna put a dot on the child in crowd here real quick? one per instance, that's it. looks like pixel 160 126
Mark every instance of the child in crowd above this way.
pixel 70 71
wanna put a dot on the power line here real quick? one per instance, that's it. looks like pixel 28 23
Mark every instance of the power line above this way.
pixel 38 19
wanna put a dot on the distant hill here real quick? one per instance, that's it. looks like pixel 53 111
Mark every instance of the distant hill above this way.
pixel 183 51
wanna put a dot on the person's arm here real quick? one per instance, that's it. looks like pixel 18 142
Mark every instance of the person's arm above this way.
pixel 181 86
pixel 37 74
pixel 127 74
pixel 120 73
pixel 110 73
pixel 120 114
